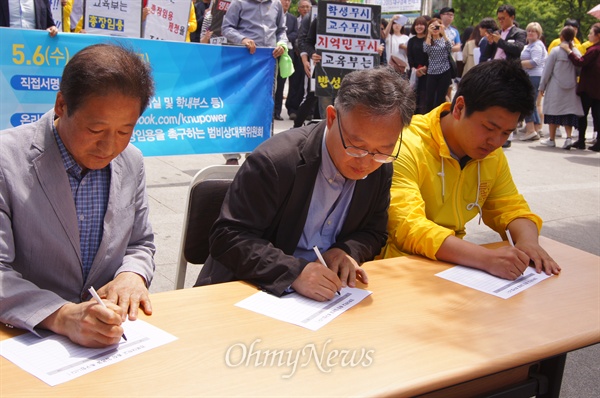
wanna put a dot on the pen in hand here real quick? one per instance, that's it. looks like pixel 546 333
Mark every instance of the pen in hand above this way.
pixel 99 300
pixel 512 243
pixel 509 238
pixel 321 259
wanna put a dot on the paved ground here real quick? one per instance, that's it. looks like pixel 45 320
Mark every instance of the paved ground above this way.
pixel 563 187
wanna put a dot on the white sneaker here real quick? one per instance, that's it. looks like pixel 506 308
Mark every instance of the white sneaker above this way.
pixel 559 132
pixel 541 133
pixel 529 136
pixel 567 144
pixel 548 142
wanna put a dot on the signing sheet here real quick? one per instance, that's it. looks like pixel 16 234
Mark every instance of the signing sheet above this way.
pixel 488 283
pixel 55 359
pixel 302 311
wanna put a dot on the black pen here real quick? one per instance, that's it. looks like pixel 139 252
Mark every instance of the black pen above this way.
pixel 99 300
pixel 322 260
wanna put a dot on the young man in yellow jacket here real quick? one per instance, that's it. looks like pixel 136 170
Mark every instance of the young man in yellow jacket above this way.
pixel 451 168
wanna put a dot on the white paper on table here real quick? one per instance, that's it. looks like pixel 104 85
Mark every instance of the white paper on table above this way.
pixel 55 359
pixel 488 283
pixel 303 311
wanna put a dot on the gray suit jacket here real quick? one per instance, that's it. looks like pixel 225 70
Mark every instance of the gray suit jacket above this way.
pixel 40 259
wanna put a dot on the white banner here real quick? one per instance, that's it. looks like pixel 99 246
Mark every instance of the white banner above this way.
pixel 390 6
pixel 56 8
pixel 113 17
pixel 167 20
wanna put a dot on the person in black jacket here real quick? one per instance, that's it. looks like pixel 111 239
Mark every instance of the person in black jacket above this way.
pixel 324 185
pixel 418 60
pixel 510 40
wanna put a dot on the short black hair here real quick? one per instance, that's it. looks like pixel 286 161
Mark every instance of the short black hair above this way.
pixel 572 22
pixel 104 69
pixel 489 23
pixel 499 82
pixel 510 10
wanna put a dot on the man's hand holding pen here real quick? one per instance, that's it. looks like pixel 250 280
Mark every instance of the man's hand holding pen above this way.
pixel 345 267
pixel 321 282
pixel 88 324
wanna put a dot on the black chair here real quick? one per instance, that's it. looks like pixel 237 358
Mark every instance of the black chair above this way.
pixel 205 197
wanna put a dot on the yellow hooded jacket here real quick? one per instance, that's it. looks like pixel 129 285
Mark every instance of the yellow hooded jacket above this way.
pixel 432 198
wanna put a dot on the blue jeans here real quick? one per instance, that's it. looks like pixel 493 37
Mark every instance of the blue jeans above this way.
pixel 534 117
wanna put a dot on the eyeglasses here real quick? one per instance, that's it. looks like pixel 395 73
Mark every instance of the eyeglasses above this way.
pixel 361 153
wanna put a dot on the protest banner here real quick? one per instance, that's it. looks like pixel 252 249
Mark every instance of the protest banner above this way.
pixel 347 40
pixel 209 99
pixel 113 18
pixel 167 20
pixel 395 6
pixel 218 10
pixel 57 16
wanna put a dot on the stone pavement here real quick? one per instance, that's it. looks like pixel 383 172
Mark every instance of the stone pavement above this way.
pixel 563 187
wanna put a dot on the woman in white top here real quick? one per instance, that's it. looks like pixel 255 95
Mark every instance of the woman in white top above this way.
pixel 395 42
pixel 533 57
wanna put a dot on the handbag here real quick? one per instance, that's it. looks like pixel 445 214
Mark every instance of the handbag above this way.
pixel 398 65
pixel 453 66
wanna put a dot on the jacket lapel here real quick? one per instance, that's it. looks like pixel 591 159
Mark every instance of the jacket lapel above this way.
pixel 54 181
pixel 299 197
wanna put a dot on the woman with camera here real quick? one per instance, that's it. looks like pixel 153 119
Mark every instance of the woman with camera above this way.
pixel 438 48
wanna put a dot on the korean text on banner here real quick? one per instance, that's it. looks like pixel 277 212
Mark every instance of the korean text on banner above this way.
pixel 209 99
pixel 347 40
pixel 167 20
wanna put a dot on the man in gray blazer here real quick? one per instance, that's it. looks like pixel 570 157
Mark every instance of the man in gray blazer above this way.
pixel 325 185
pixel 73 205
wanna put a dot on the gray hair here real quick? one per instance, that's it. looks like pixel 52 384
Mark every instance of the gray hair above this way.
pixel 380 91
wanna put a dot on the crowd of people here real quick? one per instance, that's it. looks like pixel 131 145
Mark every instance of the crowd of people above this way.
pixel 430 52
pixel 371 180
pixel 573 84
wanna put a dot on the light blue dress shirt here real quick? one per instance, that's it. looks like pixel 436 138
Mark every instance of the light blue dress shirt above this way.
pixel 261 21
pixel 328 208
pixel 22 14
pixel 90 191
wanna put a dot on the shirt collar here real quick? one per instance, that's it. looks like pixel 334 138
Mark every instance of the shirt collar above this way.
pixel 70 164
pixel 509 28
pixel 327 167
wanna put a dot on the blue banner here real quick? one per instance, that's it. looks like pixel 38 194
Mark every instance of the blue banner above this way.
pixel 209 99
